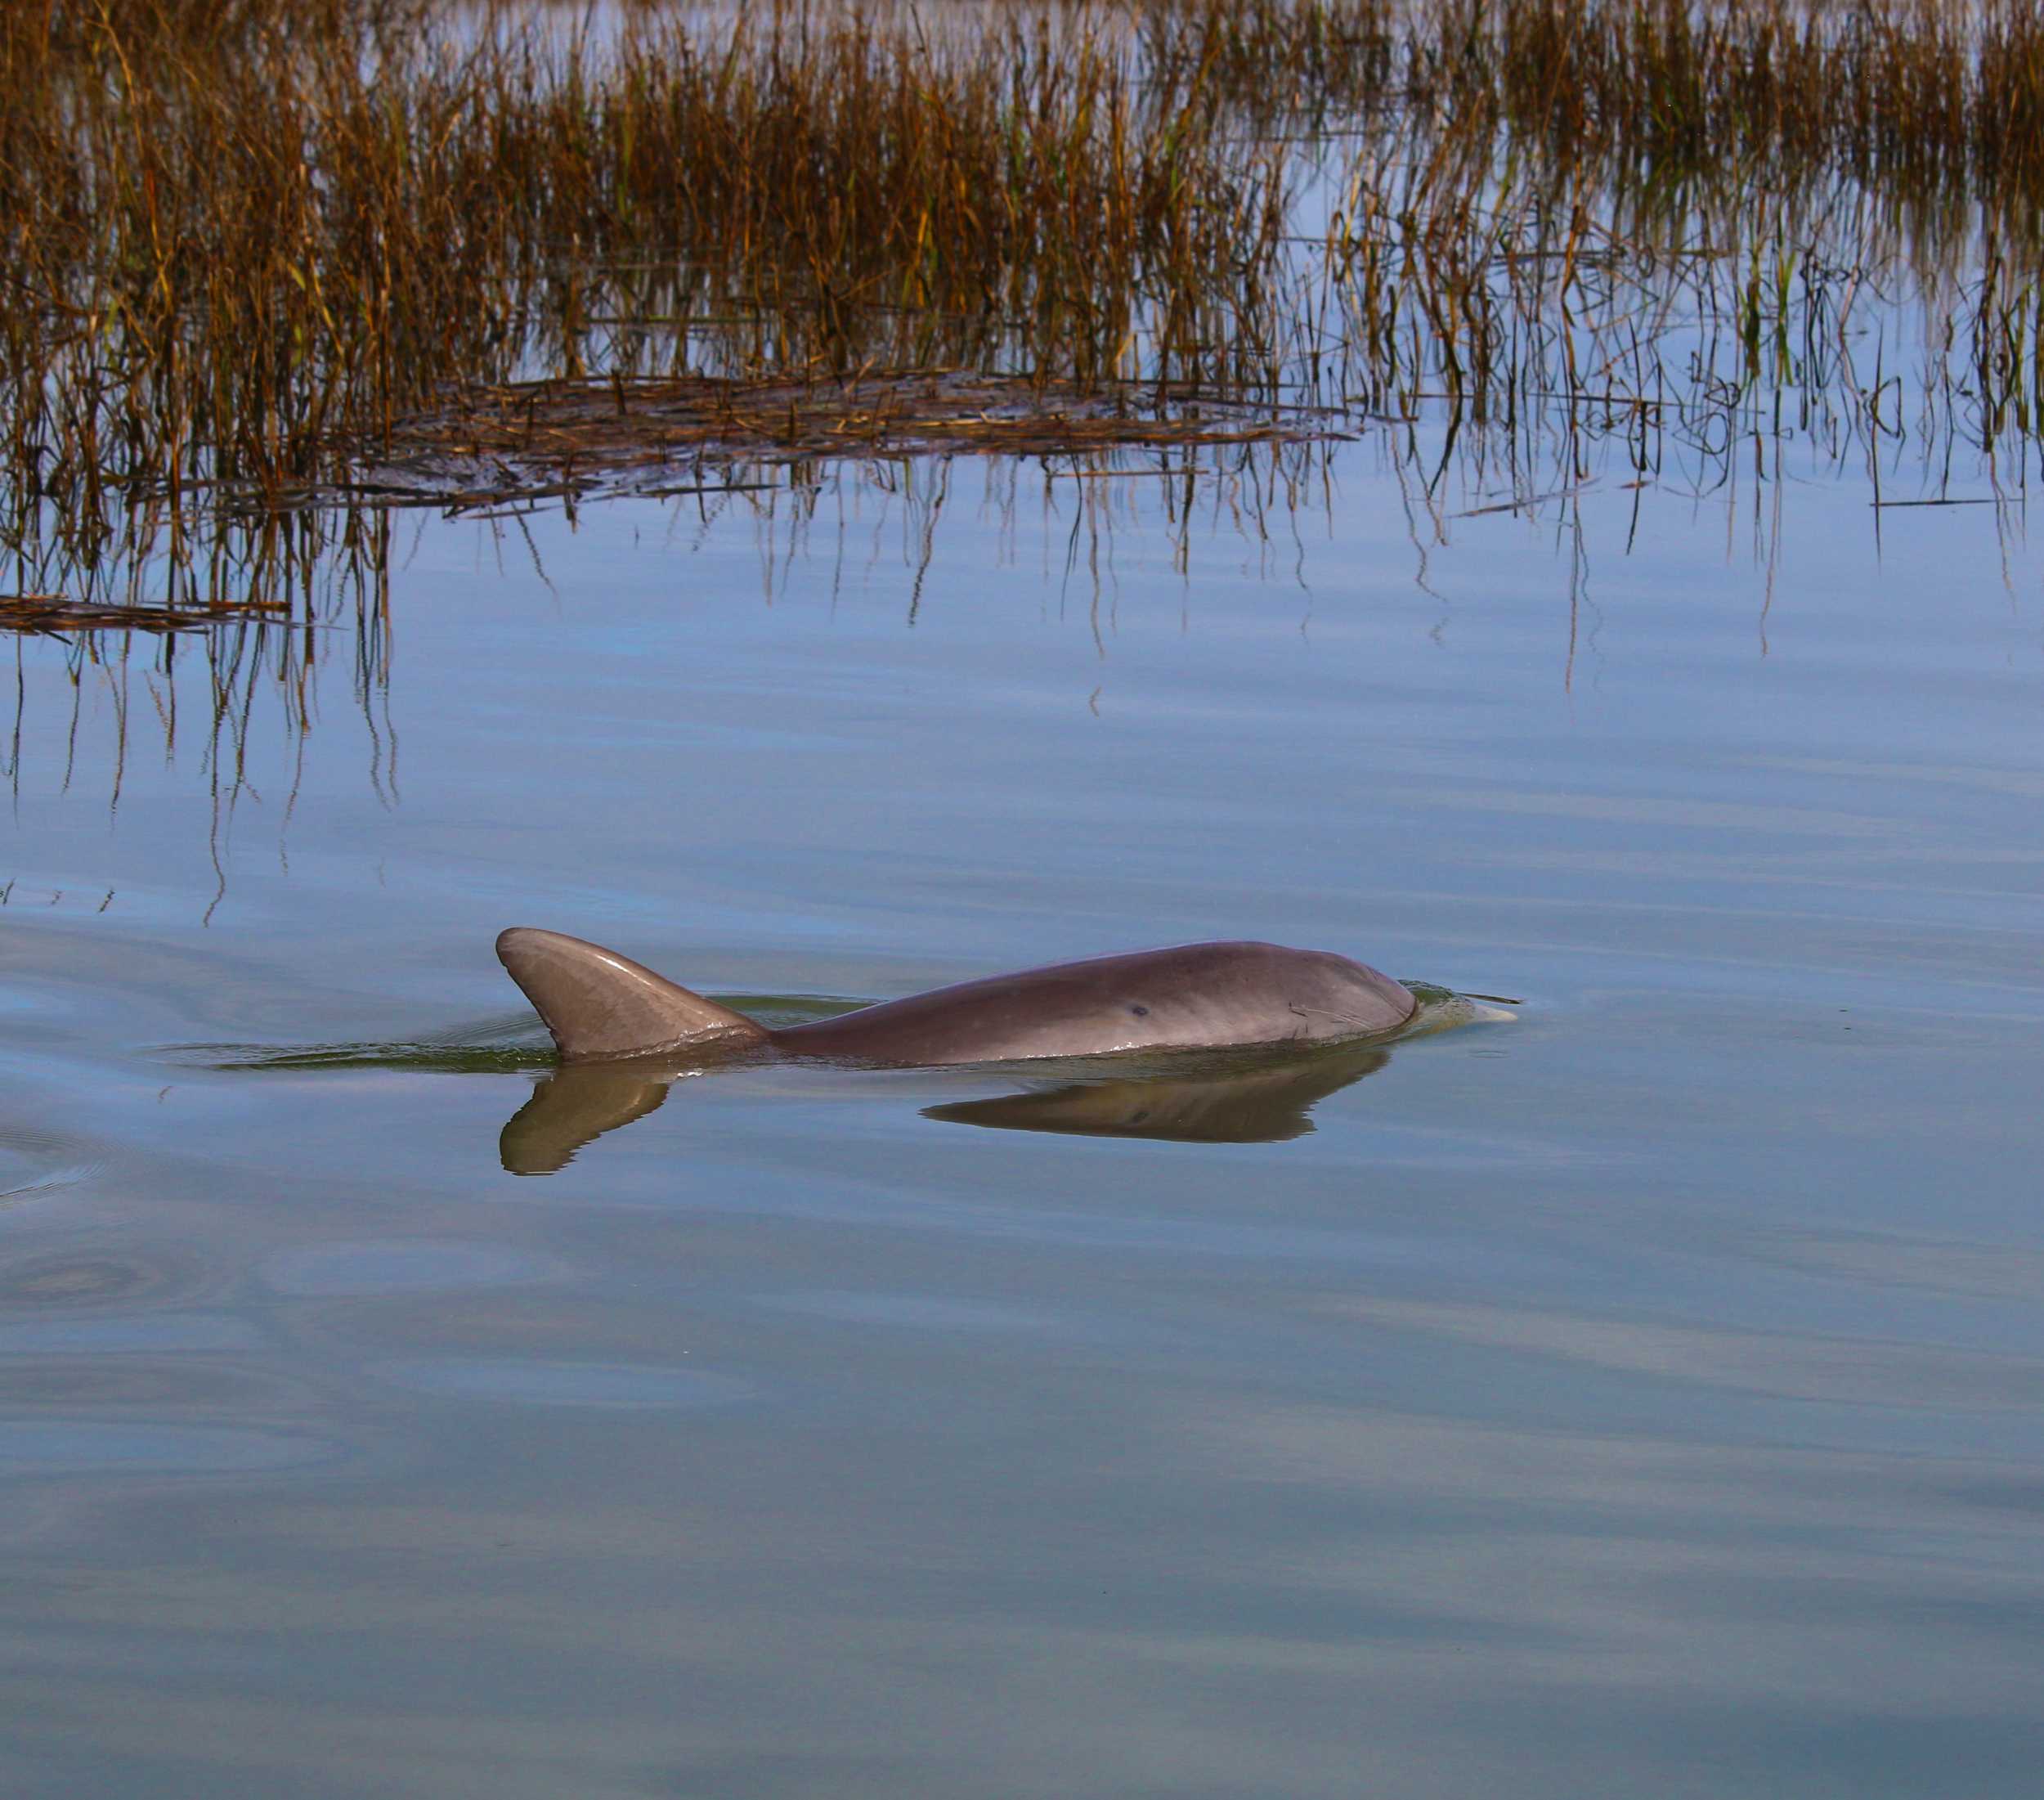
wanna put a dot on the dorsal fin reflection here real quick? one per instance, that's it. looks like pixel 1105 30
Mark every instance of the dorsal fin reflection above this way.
pixel 574 1106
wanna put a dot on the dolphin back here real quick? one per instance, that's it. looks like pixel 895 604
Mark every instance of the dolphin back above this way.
pixel 1186 996
pixel 599 1004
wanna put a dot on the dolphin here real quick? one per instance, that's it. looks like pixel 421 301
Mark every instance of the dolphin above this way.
pixel 600 1007
pixel 625 1033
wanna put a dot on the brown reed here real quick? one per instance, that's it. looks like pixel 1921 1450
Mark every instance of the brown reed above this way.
pixel 248 243
pixel 242 239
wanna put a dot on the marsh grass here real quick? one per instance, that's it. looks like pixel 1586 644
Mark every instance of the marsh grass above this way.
pixel 243 249
pixel 271 270
pixel 255 251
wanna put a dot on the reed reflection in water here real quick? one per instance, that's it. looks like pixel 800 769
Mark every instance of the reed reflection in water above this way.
pixel 211 630
pixel 220 630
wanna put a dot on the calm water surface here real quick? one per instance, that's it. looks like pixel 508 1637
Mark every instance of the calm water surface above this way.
pixel 1643 1398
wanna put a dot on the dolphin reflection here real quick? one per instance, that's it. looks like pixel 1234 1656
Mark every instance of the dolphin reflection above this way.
pixel 1265 1100
pixel 1238 1107
pixel 574 1106
pixel 1227 1042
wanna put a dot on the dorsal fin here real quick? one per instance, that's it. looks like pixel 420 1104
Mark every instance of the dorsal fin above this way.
pixel 597 1003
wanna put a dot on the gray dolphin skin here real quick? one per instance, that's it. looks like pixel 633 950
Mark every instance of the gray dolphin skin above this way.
pixel 601 1006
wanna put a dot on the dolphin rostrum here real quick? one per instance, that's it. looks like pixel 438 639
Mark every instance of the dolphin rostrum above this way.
pixel 601 1006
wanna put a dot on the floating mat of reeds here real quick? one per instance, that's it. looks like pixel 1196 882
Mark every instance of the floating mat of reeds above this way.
pixel 535 439
pixel 57 615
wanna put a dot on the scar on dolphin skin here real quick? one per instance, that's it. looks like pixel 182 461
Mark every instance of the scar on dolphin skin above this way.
pixel 624 1032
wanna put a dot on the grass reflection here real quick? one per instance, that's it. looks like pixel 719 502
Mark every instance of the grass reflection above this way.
pixel 176 636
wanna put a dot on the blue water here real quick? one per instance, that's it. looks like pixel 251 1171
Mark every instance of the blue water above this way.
pixel 1640 1398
